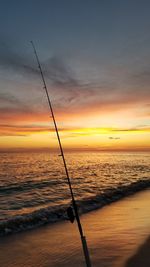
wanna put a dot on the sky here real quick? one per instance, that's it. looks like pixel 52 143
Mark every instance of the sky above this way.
pixel 95 56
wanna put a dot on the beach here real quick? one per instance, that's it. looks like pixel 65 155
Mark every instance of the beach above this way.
pixel 74 133
pixel 114 234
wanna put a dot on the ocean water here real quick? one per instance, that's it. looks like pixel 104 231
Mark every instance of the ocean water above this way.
pixel 34 189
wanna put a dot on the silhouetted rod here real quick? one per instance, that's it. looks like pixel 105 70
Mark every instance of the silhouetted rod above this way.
pixel 83 239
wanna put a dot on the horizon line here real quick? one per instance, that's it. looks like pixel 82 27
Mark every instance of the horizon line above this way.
pixel 56 150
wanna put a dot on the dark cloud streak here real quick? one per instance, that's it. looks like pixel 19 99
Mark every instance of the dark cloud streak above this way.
pixel 55 70
pixel 12 60
pixel 114 138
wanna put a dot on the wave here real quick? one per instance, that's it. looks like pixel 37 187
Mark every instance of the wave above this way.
pixel 28 185
pixel 54 214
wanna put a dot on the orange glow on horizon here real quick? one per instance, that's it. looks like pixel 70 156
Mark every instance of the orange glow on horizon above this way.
pixel 81 130
pixel 83 138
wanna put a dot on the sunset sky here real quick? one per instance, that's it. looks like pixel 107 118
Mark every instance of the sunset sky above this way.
pixel 95 57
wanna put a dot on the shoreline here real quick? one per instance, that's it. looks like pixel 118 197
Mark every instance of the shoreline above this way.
pixel 49 215
pixel 113 234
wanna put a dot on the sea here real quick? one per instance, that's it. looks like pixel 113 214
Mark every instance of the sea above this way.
pixel 34 189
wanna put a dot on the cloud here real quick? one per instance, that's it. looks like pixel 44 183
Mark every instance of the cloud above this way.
pixel 7 99
pixel 114 138
pixel 21 130
pixel 27 129
pixel 12 60
pixel 66 132
pixel 142 76
pixel 54 68
pixel 13 108
pixel 66 89
pixel 69 92
pixel 59 73
pixel 138 128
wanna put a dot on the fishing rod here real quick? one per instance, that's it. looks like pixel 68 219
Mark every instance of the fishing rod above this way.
pixel 83 239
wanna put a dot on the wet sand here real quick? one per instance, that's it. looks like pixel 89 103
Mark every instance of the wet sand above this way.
pixel 113 233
